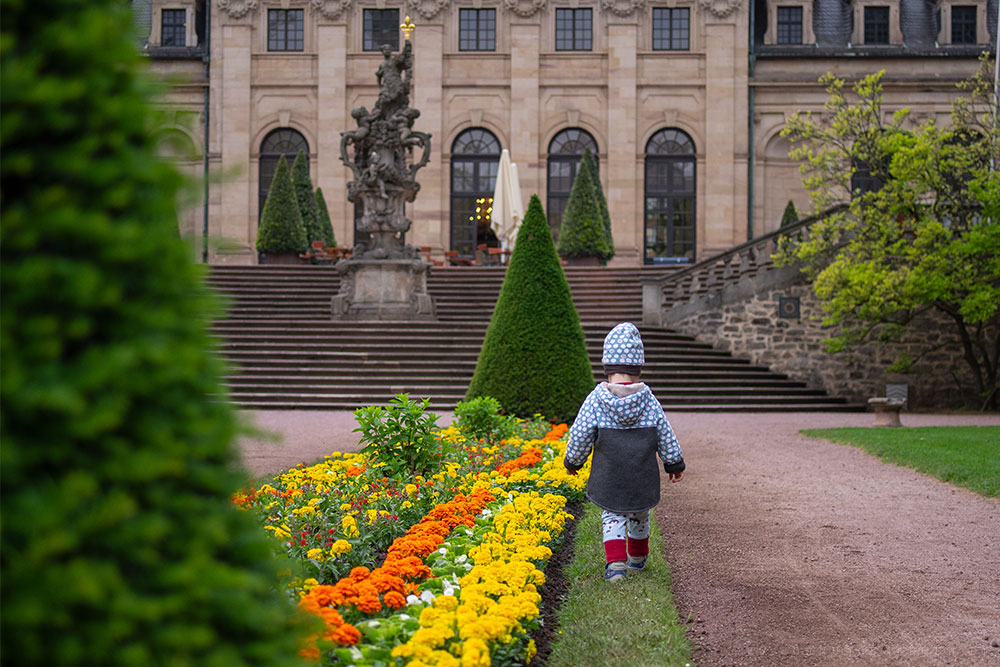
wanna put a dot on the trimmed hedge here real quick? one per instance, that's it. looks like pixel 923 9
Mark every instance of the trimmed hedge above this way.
pixel 306 198
pixel 325 224
pixel 534 358
pixel 583 229
pixel 120 545
pixel 602 203
pixel 280 229
pixel 790 216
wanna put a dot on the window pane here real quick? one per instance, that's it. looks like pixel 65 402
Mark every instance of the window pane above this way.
pixel 477 30
pixel 285 30
pixel 789 25
pixel 963 24
pixel 380 26
pixel 172 32
pixel 573 30
pixel 876 25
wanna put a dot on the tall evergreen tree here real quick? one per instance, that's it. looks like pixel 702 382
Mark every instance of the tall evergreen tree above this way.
pixel 306 198
pixel 790 216
pixel 325 224
pixel 602 202
pixel 280 229
pixel 534 358
pixel 583 231
pixel 120 545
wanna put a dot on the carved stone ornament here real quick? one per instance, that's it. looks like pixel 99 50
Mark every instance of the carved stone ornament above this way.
pixel 524 8
pixel 237 9
pixel 720 8
pixel 331 9
pixel 623 7
pixel 428 8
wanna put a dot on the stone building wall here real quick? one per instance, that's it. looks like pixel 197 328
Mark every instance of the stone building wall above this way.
pixel 744 321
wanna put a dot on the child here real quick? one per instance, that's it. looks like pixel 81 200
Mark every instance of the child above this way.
pixel 623 423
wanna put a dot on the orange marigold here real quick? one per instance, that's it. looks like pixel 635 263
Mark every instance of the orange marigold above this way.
pixel 347 635
pixel 394 600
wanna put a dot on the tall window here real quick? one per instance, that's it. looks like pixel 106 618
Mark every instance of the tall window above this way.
pixel 574 29
pixel 963 24
pixel 477 29
pixel 670 198
pixel 789 25
pixel 285 30
pixel 876 25
pixel 671 29
pixel 565 152
pixel 475 156
pixel 284 141
pixel 381 26
pixel 173 30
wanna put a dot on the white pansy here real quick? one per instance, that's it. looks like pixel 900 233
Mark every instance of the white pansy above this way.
pixel 427 597
pixel 412 599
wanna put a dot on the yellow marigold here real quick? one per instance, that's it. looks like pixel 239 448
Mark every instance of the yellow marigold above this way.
pixel 340 547
pixel 315 554
pixel 349 526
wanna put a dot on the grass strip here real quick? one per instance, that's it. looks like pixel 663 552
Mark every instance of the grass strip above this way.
pixel 966 456
pixel 633 622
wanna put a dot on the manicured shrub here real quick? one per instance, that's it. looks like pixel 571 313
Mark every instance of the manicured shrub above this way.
pixel 602 202
pixel 280 229
pixel 583 230
pixel 120 545
pixel 790 216
pixel 306 197
pixel 325 224
pixel 534 359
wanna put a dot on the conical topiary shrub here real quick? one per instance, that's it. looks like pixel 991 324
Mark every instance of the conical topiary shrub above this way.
pixel 306 198
pixel 602 202
pixel 790 216
pixel 583 232
pixel 120 545
pixel 534 359
pixel 325 224
pixel 280 229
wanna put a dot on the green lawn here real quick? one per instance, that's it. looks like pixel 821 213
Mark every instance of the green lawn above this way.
pixel 967 456
pixel 633 622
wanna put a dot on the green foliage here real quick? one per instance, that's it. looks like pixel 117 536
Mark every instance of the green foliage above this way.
pixel 119 541
pixel 325 224
pixel 790 216
pixel 584 231
pixel 306 198
pixel 480 419
pixel 534 359
pixel 281 229
pixel 967 456
pixel 602 202
pixel 401 436
pixel 929 239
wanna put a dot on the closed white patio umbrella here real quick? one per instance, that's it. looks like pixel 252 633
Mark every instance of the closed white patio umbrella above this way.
pixel 507 207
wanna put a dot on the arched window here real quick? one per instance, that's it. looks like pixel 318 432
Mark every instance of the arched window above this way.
pixel 284 141
pixel 670 198
pixel 475 156
pixel 565 151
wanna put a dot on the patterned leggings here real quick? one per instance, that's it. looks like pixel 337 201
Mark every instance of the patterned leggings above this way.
pixel 625 535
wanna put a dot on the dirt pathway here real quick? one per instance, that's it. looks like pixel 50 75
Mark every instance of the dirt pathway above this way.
pixel 788 550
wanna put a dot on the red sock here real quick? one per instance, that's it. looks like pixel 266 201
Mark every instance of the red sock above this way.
pixel 614 550
pixel 638 548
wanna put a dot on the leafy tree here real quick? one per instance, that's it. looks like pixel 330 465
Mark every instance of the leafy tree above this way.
pixel 589 163
pixel 583 232
pixel 790 216
pixel 534 358
pixel 927 239
pixel 306 198
pixel 120 545
pixel 325 224
pixel 280 229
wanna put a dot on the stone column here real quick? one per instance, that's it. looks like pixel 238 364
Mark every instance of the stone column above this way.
pixel 334 118
pixel 525 149
pixel 622 176
pixel 238 229
pixel 429 213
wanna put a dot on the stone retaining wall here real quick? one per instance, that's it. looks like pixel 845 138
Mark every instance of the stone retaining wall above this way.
pixel 743 319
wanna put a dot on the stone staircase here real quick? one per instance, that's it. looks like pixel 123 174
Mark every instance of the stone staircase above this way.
pixel 284 352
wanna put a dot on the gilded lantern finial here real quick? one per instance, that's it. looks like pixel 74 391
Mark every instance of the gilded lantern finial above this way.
pixel 407 27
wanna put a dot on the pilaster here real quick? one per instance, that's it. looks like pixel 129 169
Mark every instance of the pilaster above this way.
pixel 525 117
pixel 622 177
pixel 429 212
pixel 334 117
pixel 238 227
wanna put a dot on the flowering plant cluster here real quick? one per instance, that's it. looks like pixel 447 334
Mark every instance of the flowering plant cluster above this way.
pixel 419 571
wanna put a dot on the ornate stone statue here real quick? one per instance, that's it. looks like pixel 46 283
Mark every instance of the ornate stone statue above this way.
pixel 383 165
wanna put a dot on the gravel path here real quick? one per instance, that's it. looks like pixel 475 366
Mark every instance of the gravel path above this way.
pixel 788 550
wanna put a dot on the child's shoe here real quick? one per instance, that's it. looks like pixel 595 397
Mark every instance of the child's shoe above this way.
pixel 614 572
pixel 636 562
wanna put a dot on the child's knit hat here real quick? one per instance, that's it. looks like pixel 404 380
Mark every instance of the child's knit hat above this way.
pixel 623 352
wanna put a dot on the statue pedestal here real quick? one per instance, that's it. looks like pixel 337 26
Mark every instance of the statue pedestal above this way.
pixel 383 289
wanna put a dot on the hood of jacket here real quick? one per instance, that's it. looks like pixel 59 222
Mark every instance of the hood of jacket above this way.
pixel 624 403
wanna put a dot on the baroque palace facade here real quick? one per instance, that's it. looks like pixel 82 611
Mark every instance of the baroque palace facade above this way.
pixel 681 101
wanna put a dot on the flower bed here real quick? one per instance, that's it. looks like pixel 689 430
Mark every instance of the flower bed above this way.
pixel 435 569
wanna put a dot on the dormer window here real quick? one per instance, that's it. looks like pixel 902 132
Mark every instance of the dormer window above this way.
pixel 963 24
pixel 789 25
pixel 876 25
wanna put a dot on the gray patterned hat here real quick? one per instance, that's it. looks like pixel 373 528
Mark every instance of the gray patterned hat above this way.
pixel 623 352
